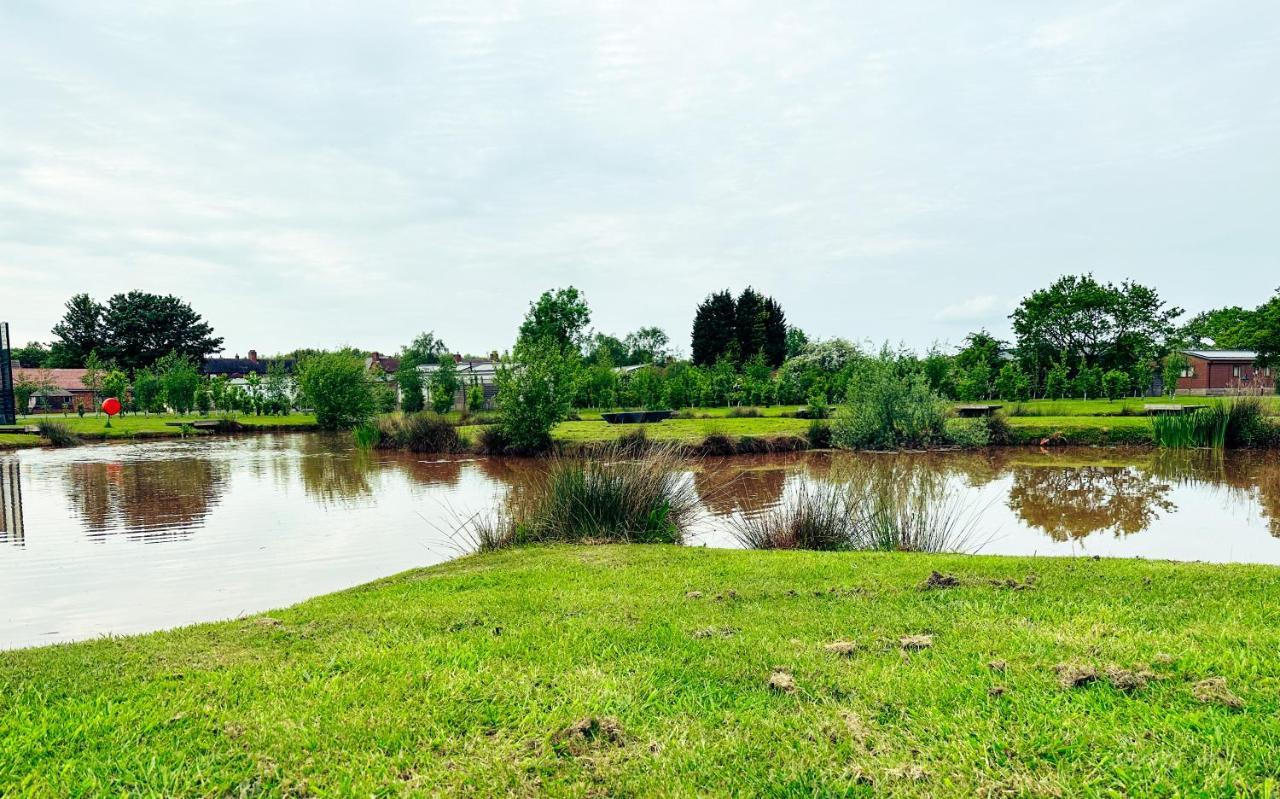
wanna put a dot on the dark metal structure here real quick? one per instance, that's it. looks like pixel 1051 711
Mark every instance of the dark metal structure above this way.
pixel 636 417
pixel 8 406
pixel 11 530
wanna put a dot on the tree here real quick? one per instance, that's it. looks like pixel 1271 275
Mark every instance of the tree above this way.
pixel 1012 384
pixel 1115 384
pixel 536 386
pixel 115 383
pixel 425 348
pixel 148 392
pixel 80 331
pixel 275 389
pixel 1057 382
pixel 337 388
pixel 1267 338
pixel 1174 365
pixel 179 380
pixel 604 348
pixel 94 369
pixel 1222 328
pixel 560 316
pixel 140 328
pixel 410 381
pixel 1106 325
pixel 646 345
pixel 775 333
pixel 475 398
pixel 24 388
pixel 203 400
pixel 31 356
pixel 444 386
pixel 796 341
pixel 749 318
pixel 1088 381
pixel 980 348
pixel 714 328
pixel 974 383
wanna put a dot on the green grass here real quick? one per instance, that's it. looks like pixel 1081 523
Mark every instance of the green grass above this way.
pixel 15 440
pixel 92 426
pixel 1107 408
pixel 683 430
pixel 717 412
pixel 458 680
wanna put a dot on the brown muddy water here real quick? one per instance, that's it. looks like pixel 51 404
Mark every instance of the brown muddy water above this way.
pixel 126 538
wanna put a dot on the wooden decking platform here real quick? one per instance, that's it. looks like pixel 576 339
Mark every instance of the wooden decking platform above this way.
pixel 19 428
pixel 1170 409
pixel 201 424
pixel 979 409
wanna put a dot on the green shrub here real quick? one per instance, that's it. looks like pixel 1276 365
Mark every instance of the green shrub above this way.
pixel 818 434
pixel 337 389
pixel 419 432
pixel 59 435
pixel 968 433
pixel 1115 384
pixel 888 410
pixel 535 389
pixel 366 435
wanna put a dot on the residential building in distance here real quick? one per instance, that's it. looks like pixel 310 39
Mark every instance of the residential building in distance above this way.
pixel 1211 372
pixel 479 372
pixel 60 389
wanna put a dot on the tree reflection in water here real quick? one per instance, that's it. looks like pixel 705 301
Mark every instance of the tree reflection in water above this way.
pixel 148 500
pixel 1071 503
pixel 744 484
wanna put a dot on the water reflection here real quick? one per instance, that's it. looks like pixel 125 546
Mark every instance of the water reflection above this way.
pixel 1078 501
pixel 152 500
pixel 11 531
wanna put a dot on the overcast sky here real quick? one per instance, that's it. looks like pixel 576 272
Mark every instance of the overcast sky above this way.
pixel 316 173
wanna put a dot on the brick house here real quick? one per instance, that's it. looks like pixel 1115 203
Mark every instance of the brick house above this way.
pixel 62 389
pixel 1224 372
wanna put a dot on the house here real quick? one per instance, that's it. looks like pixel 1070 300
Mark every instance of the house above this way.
pixel 385 364
pixel 1224 372
pixel 237 368
pixel 480 372
pixel 60 389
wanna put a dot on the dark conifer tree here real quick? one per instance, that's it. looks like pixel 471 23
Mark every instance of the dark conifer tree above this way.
pixel 714 327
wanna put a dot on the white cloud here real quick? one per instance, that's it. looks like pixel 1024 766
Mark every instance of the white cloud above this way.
pixel 975 309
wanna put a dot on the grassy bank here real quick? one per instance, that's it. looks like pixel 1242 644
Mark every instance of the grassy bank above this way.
pixel 91 426
pixel 657 670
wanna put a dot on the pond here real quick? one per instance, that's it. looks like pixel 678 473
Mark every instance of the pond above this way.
pixel 126 538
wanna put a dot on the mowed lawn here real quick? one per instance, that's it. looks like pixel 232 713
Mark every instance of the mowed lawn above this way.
pixel 683 430
pixel 668 671
pixel 131 425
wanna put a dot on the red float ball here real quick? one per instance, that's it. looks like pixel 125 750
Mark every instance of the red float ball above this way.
pixel 111 406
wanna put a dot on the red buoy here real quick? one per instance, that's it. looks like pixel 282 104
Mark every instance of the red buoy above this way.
pixel 111 406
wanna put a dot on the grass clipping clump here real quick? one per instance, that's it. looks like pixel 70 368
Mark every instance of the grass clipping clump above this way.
pixel 612 498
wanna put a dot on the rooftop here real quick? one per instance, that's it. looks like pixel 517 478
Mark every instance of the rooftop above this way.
pixel 1223 355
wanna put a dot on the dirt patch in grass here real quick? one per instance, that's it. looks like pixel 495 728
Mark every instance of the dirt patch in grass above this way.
pixel 266 621
pixel 843 649
pixel 999 665
pixel 782 682
pixel 915 643
pixel 937 580
pixel 589 732
pixel 1075 675
pixel 1126 680
pixel 693 595
pixel 1214 691
pixel 714 632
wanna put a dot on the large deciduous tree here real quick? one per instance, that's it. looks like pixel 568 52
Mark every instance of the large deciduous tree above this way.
pixel 1222 328
pixel 79 332
pixel 1079 320
pixel 1266 338
pixel 646 345
pixel 140 328
pixel 559 316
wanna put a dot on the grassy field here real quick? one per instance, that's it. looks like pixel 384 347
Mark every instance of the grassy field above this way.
pixel 91 426
pixel 667 671
pixel 685 430
pixel 1108 408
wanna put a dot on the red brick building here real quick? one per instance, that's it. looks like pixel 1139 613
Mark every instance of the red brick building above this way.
pixel 59 389
pixel 1224 372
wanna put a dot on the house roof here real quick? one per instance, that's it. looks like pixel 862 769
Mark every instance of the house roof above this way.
pixel 240 366
pixel 1223 355
pixel 63 379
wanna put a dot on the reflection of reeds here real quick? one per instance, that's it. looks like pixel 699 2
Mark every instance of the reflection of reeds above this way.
pixel 834 517
pixel 614 498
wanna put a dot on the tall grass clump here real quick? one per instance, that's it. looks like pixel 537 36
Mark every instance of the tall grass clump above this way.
pixel 59 434
pixel 889 408
pixel 1207 427
pixel 834 517
pixel 419 432
pixel 366 436
pixel 609 499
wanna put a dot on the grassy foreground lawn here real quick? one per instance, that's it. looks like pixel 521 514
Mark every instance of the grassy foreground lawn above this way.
pixel 469 678
pixel 686 430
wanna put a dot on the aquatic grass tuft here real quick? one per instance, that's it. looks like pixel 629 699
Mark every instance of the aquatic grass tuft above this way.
pixel 833 517
pixel 419 432
pixel 59 434
pixel 616 497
